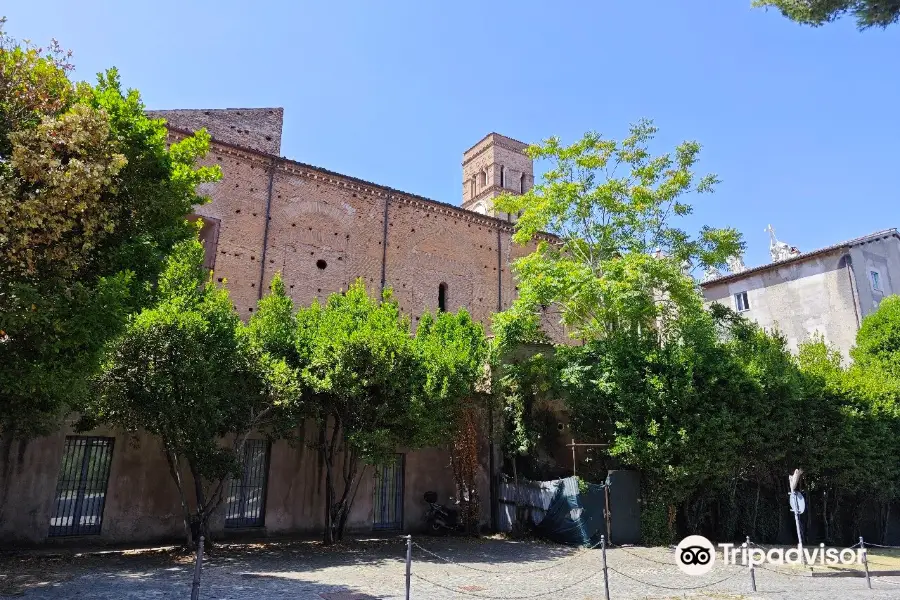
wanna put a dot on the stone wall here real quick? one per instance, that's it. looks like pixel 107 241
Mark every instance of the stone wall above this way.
pixel 142 502
pixel 801 299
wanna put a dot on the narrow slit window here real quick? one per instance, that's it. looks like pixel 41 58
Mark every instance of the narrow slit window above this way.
pixel 81 487
pixel 442 297
pixel 741 303
pixel 247 494
pixel 502 176
pixel 522 184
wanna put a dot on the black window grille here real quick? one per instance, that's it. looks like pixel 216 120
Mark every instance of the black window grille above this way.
pixel 81 488
pixel 247 495
pixel 389 495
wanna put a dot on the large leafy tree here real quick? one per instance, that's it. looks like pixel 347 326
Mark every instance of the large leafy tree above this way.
pixel 452 352
pixel 868 13
pixel 91 201
pixel 185 371
pixel 620 258
pixel 359 370
pixel 370 386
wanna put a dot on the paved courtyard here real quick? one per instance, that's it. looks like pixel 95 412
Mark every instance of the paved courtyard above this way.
pixel 369 570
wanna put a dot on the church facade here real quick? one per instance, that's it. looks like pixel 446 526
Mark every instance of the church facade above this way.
pixel 321 230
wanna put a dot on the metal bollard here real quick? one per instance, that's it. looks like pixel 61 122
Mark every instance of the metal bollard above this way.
pixel 752 570
pixel 408 564
pixel 865 555
pixel 605 570
pixel 198 566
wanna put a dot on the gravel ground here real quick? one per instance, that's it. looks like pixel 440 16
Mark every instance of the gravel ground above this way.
pixel 370 570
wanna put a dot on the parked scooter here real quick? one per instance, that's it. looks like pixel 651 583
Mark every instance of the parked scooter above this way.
pixel 440 518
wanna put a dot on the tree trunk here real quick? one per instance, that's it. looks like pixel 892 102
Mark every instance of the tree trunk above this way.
pixel 202 518
pixel 172 459
pixel 328 448
pixel 349 471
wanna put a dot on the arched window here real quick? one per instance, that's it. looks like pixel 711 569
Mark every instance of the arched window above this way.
pixel 482 179
pixel 442 297
pixel 502 176
pixel 473 188
pixel 522 184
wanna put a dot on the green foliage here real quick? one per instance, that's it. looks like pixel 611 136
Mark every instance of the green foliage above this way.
pixel 360 370
pixel 868 13
pixel 91 201
pixel 182 372
pixel 452 353
pixel 370 386
pixel 712 409
pixel 878 340
pixel 603 273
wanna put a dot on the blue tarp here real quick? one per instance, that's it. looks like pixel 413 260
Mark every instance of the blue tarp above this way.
pixel 575 518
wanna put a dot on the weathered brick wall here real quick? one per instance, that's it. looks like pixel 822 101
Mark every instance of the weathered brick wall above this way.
pixel 326 230
pixel 256 128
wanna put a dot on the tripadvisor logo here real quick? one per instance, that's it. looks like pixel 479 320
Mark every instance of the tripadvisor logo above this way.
pixel 696 555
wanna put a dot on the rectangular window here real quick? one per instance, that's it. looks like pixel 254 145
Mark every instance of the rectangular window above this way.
pixel 389 495
pixel 247 495
pixel 876 280
pixel 741 303
pixel 81 488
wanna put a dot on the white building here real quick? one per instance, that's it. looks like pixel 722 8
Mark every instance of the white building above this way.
pixel 826 291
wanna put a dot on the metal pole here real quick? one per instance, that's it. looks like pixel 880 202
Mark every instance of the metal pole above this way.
pixel 799 537
pixel 862 545
pixel 605 570
pixel 198 566
pixel 573 457
pixel 752 570
pixel 408 564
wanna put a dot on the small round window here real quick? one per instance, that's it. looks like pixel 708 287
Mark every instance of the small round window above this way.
pixel 321 263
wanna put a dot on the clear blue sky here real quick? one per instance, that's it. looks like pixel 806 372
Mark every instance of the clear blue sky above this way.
pixel 801 124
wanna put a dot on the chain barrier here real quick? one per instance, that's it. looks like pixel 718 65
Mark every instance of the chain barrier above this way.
pixel 678 589
pixel 739 572
pixel 647 558
pixel 488 597
pixel 880 546
pixel 502 572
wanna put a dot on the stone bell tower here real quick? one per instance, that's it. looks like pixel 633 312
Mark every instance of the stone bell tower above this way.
pixel 495 165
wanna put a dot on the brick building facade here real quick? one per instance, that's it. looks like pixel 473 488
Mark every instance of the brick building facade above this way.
pixel 321 230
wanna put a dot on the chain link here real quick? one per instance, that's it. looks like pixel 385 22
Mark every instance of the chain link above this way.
pixel 556 591
pixel 678 589
pixel 502 572
pixel 647 558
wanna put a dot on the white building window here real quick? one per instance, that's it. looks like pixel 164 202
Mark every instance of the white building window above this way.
pixel 876 280
pixel 741 303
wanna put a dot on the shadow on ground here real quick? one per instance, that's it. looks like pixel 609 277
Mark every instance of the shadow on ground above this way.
pixel 287 566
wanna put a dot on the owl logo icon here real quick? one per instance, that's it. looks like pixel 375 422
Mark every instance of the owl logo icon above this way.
pixel 695 555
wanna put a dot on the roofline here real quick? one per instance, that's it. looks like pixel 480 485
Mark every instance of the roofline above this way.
pixel 247 108
pixel 472 147
pixel 500 223
pixel 807 255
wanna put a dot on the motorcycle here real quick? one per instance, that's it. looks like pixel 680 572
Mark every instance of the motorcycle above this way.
pixel 440 518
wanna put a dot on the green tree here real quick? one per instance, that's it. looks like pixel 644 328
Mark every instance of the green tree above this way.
pixel 620 260
pixel 91 201
pixel 359 371
pixel 868 13
pixel 452 351
pixel 182 370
